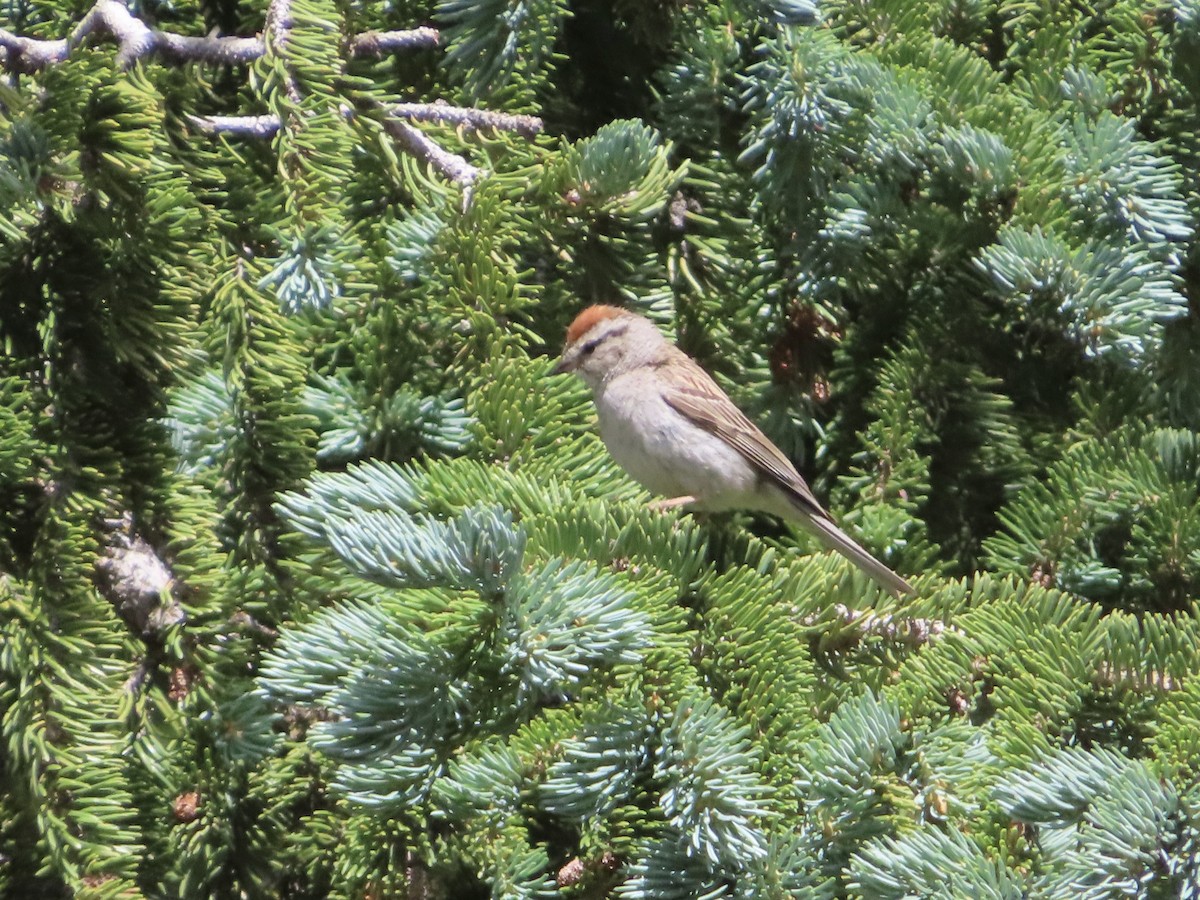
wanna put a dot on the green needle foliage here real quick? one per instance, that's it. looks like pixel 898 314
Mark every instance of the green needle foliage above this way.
pixel 316 582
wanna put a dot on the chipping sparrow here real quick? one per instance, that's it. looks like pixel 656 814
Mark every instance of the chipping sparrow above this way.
pixel 669 425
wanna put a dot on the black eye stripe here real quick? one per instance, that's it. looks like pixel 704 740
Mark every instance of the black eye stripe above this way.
pixel 589 347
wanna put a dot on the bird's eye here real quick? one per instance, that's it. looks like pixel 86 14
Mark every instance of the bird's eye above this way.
pixel 590 347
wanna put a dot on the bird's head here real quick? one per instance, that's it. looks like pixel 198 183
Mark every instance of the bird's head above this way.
pixel 605 341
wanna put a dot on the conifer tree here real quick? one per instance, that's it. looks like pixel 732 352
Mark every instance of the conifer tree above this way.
pixel 315 582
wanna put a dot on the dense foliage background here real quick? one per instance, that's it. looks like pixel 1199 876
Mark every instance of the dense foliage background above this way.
pixel 314 582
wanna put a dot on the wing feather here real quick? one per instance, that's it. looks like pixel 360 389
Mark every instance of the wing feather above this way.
pixel 701 400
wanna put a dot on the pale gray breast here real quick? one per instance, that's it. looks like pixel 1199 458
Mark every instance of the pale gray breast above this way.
pixel 642 435
pixel 666 453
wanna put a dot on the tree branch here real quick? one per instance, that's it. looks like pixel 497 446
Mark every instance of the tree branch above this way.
pixel 226 51
pixel 277 32
pixel 863 624
pixel 410 139
pixel 443 113
pixel 110 18
pixel 136 40
pixel 423 148
pixel 21 54
pixel 376 43
pixel 242 126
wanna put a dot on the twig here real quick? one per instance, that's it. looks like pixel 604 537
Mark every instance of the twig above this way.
pixel 137 40
pixel 21 54
pixel 376 43
pixel 410 140
pixel 449 164
pixel 110 17
pixel 278 32
pixel 266 125
pixel 526 126
pixel 225 51
pixel 867 623
pixel 134 38
pixel 278 26
pixel 243 126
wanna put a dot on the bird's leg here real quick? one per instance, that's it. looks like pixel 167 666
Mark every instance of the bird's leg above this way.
pixel 673 503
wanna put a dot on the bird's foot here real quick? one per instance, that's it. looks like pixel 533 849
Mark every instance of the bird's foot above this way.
pixel 673 503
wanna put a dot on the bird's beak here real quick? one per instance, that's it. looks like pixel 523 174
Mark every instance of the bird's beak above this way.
pixel 562 368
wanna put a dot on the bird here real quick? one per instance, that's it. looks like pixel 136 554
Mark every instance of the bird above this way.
pixel 675 432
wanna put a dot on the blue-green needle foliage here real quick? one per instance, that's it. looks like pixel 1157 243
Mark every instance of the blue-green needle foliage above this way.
pixel 519 637
pixel 600 767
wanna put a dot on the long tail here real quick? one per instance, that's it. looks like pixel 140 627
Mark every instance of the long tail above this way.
pixel 836 539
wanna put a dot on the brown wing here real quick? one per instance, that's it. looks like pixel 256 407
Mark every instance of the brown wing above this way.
pixel 700 399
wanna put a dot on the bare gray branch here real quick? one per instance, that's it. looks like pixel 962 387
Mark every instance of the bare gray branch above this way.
pixel 443 113
pixel 449 164
pixel 243 126
pixel 136 40
pixel 110 18
pixel 377 43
